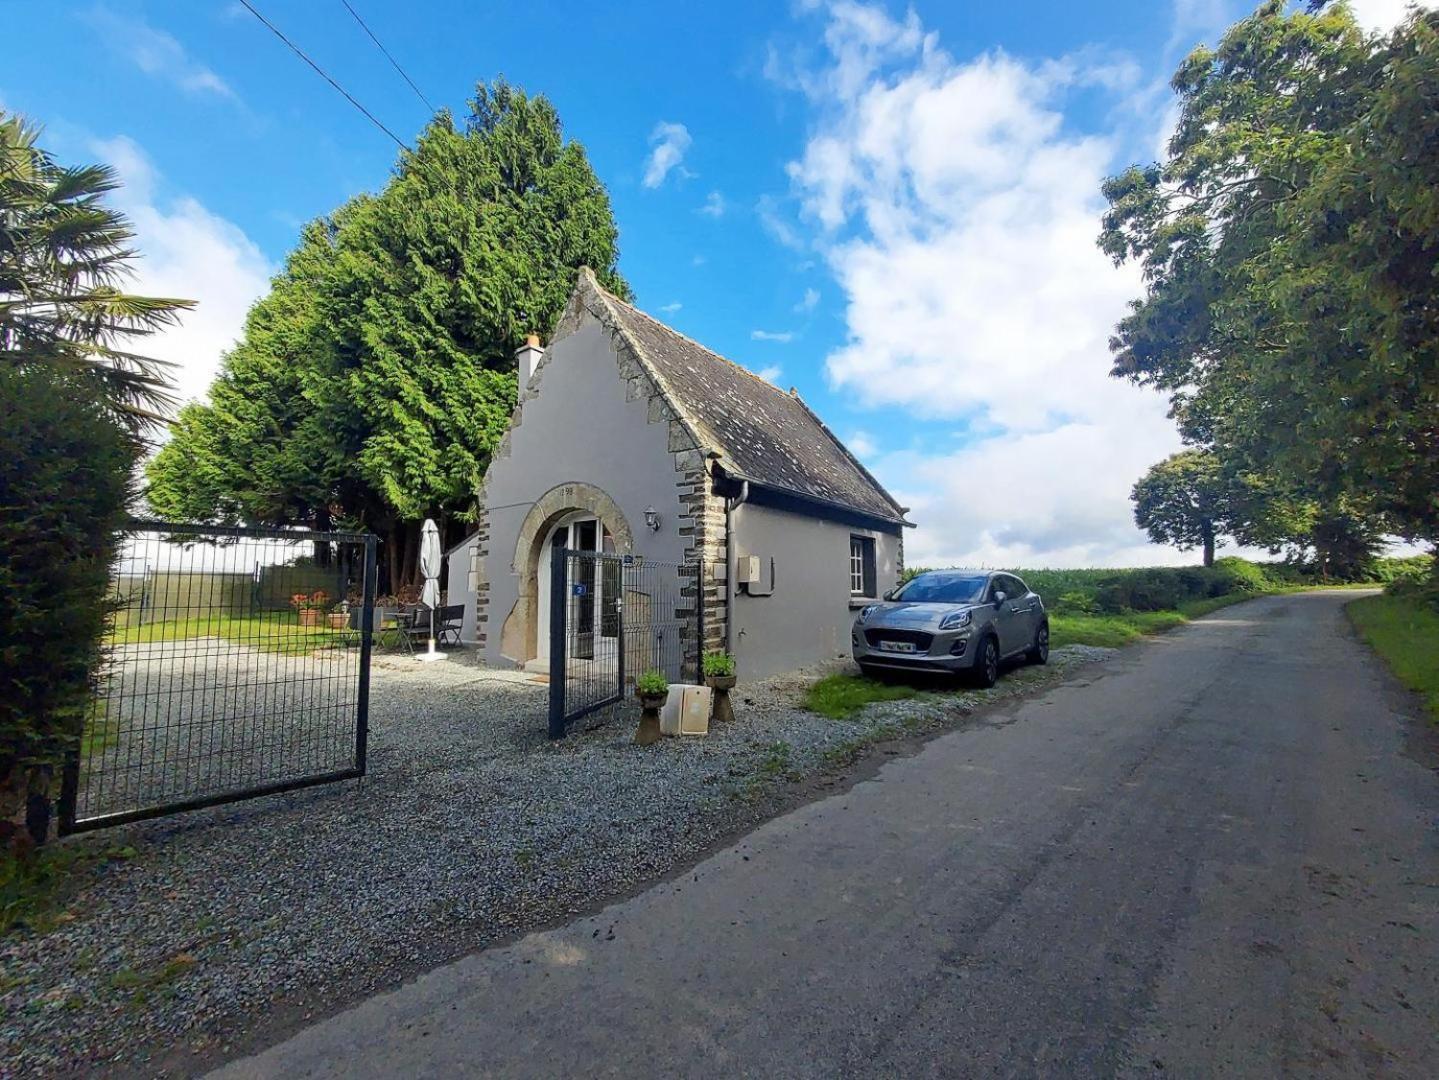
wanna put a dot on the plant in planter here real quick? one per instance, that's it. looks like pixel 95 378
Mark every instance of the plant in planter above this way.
pixel 719 672
pixel 309 606
pixel 651 688
pixel 340 615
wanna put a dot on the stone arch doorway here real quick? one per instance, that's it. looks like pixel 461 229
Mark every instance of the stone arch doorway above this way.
pixel 561 506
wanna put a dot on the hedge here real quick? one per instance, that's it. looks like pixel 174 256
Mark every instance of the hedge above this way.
pixel 65 482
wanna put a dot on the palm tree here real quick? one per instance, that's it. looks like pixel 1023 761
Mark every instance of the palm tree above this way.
pixel 63 253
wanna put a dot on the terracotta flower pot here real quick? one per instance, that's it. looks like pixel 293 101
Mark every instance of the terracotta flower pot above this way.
pixel 649 729
pixel 309 616
pixel 722 710
pixel 339 620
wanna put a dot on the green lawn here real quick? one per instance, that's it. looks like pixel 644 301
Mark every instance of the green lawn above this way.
pixel 276 632
pixel 1405 632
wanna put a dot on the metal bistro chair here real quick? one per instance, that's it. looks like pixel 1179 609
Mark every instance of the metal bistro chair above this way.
pixel 447 622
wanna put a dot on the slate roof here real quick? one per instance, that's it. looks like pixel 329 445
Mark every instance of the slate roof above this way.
pixel 762 434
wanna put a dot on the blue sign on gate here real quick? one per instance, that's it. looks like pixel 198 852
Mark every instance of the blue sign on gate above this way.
pixel 579 590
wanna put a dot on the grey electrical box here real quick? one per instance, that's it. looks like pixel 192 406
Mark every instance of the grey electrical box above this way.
pixel 747 569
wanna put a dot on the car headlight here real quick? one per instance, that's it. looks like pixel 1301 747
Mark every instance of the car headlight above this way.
pixel 866 612
pixel 955 619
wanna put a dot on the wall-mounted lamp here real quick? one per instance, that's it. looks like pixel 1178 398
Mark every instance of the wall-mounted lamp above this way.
pixel 652 518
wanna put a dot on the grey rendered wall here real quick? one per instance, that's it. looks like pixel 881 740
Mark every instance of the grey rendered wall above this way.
pixel 460 586
pixel 579 427
pixel 808 617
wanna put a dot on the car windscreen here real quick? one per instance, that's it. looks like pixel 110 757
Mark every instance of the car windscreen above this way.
pixel 944 589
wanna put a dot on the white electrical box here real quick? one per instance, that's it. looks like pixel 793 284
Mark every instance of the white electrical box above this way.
pixel 747 570
pixel 686 710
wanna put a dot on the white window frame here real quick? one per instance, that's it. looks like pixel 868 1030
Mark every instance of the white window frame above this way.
pixel 861 547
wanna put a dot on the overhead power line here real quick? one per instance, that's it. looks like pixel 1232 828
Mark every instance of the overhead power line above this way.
pixel 321 72
pixel 393 62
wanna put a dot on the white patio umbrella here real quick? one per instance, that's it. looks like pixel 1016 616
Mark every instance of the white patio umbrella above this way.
pixel 430 556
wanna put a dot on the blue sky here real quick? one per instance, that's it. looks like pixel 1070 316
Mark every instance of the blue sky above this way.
pixel 890 208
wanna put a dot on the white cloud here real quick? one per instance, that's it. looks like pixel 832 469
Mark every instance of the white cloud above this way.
pixel 671 307
pixel 958 212
pixel 861 444
pixel 770 374
pixel 190 253
pixel 1383 14
pixel 808 301
pixel 714 206
pixel 157 53
pixel 775 223
pixel 669 143
pixel 782 337
pixel 698 260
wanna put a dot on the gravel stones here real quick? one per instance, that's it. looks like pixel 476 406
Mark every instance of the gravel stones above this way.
pixel 470 826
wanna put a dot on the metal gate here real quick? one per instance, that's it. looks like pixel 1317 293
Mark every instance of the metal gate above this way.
pixel 237 665
pixel 612 618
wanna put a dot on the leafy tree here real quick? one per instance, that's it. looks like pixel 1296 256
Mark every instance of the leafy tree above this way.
pixel 62 254
pixel 373 383
pixel 260 449
pixel 75 402
pixel 1184 501
pixel 64 490
pixel 1289 246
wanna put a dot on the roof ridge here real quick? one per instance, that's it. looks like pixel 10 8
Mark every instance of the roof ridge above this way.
pixel 697 344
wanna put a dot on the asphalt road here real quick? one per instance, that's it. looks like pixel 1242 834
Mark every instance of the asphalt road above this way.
pixel 1216 856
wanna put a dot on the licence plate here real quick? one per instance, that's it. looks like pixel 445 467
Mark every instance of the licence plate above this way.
pixel 897 646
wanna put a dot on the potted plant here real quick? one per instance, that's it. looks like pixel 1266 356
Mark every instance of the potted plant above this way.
pixel 720 677
pixel 308 606
pixel 652 688
pixel 340 615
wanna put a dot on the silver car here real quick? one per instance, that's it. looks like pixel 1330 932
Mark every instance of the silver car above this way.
pixel 959 621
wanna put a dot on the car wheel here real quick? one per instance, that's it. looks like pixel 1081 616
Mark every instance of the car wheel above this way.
pixel 1039 651
pixel 986 664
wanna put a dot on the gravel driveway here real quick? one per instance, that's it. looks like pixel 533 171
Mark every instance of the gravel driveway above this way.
pixel 469 826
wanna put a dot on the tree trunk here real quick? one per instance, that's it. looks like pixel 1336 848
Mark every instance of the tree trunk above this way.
pixel 322 547
pixel 1208 547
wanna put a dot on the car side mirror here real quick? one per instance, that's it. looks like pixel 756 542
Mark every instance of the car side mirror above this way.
pixel 1000 597
pixel 888 594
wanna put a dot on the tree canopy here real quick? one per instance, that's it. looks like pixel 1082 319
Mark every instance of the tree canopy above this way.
pixel 63 255
pixel 1290 249
pixel 1184 501
pixel 374 380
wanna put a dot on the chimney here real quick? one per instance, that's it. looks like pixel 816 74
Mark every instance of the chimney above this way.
pixel 527 358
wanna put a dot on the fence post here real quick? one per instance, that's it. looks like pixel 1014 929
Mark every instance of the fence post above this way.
pixel 367 626
pixel 699 622
pixel 559 564
pixel 620 633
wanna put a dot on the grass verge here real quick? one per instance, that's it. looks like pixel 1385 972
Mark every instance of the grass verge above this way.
pixel 1115 631
pixel 35 889
pixel 841 696
pixel 1405 632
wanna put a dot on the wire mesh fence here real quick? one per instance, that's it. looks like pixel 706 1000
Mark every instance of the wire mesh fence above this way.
pixel 612 618
pixel 237 664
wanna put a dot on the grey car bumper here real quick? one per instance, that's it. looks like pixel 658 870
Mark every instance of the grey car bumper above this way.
pixel 952 651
